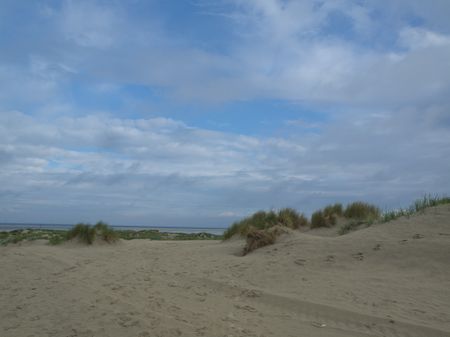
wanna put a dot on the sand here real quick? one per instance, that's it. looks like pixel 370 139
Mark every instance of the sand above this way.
pixel 387 280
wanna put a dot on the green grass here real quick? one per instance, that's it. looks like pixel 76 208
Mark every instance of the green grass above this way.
pixel 20 235
pixel 286 217
pixel 56 237
pixel 418 206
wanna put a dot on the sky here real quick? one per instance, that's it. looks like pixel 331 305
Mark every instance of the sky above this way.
pixel 198 113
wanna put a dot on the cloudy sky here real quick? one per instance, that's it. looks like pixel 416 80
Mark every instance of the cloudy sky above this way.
pixel 199 112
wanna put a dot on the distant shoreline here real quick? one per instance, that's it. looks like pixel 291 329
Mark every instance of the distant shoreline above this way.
pixel 8 226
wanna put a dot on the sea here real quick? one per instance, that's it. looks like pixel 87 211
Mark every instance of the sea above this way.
pixel 4 227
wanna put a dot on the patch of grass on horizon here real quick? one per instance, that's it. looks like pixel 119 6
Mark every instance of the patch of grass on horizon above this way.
pixel 28 234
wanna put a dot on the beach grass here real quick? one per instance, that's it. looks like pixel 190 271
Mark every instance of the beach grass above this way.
pixel 361 211
pixel 257 238
pixel 261 220
pixel 419 206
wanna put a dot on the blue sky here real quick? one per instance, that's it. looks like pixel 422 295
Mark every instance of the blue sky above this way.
pixel 197 113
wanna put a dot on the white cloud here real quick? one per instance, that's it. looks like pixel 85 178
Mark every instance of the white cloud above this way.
pixel 89 24
pixel 130 171
pixel 418 38
pixel 388 95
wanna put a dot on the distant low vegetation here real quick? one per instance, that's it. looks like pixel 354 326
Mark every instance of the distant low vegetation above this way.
pixel 88 234
pixel 262 228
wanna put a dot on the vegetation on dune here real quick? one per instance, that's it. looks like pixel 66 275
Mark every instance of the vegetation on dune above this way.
pixel 255 228
pixel 353 225
pixel 326 217
pixel 87 234
pixel 321 219
pixel 358 214
pixel 261 220
pixel 257 238
pixel 417 207
pixel 335 210
pixel 361 211
pixel 82 233
pixel 290 218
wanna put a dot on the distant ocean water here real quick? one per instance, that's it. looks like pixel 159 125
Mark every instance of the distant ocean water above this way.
pixel 14 226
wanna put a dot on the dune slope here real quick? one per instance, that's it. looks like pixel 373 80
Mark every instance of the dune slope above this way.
pixel 386 280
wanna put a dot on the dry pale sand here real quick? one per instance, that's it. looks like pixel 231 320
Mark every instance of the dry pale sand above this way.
pixel 386 280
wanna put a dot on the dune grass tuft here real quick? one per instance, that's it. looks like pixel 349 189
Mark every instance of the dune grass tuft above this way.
pixel 82 232
pixel 326 217
pixel 361 210
pixel 356 214
pixel 418 206
pixel 257 238
pixel 335 210
pixel 261 220
pixel 290 218
pixel 318 219
pixel 87 234
pixel 106 233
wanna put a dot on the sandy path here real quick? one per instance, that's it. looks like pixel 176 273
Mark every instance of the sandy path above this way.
pixel 387 280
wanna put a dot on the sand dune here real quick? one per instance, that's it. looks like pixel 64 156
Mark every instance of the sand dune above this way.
pixel 386 280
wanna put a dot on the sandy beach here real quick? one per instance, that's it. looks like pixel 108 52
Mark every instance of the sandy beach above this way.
pixel 390 279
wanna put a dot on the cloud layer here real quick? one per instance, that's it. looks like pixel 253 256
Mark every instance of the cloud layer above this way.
pixel 96 104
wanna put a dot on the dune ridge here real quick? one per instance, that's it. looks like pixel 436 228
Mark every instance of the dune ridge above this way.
pixel 389 279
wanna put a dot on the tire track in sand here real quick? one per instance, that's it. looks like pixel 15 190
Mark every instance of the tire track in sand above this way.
pixel 328 317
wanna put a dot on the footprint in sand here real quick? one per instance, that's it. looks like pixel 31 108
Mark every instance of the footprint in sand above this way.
pixel 126 321
pixel 251 293
pixel 300 262
pixel 245 307
pixel 358 256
